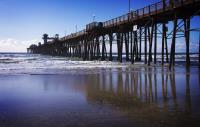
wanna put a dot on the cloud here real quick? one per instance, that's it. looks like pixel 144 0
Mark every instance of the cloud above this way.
pixel 14 45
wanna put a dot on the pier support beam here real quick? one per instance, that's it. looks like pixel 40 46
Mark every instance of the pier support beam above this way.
pixel 187 40
pixel 103 48
pixel 118 46
pixel 95 49
pixel 172 56
pixel 92 52
pixel 133 52
pixel 150 43
pixel 126 37
pixel 155 44
pixel 121 46
pixel 121 39
pixel 98 47
pixel 136 46
pixel 164 44
pixel 140 52
pixel 145 45
pixel 85 49
pixel 131 41
pixel 111 40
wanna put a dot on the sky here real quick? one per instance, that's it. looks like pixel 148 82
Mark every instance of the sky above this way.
pixel 23 22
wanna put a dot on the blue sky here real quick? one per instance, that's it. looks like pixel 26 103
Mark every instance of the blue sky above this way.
pixel 24 21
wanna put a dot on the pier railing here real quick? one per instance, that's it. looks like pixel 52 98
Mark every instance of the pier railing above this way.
pixel 147 11
pixel 153 9
pixel 73 35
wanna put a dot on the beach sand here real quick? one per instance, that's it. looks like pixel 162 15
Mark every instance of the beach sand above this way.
pixel 139 96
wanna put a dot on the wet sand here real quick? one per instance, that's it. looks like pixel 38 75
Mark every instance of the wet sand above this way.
pixel 119 97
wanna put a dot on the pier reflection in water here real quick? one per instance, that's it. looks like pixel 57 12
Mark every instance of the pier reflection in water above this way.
pixel 153 96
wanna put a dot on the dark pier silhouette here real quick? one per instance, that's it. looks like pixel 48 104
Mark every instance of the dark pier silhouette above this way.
pixel 132 30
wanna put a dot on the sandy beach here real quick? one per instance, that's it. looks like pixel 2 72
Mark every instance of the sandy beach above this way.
pixel 139 96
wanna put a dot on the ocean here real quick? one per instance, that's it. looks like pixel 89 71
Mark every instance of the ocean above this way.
pixel 23 63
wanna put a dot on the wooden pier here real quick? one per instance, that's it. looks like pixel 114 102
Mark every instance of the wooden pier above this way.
pixel 132 30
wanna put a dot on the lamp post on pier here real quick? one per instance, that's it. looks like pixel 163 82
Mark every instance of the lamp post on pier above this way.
pixel 94 16
pixel 76 28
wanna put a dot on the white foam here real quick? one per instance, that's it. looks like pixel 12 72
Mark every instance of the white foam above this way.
pixel 29 63
pixel 26 63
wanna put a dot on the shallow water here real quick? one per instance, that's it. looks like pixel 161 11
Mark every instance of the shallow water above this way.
pixel 100 95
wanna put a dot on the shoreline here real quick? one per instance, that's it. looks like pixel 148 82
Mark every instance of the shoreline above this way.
pixel 96 70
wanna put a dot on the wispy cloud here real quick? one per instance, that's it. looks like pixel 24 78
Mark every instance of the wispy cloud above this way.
pixel 13 45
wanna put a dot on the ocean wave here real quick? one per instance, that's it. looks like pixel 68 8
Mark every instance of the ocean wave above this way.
pixel 34 63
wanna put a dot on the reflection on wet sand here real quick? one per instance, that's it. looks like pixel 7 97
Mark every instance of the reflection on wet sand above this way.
pixel 137 96
pixel 147 95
